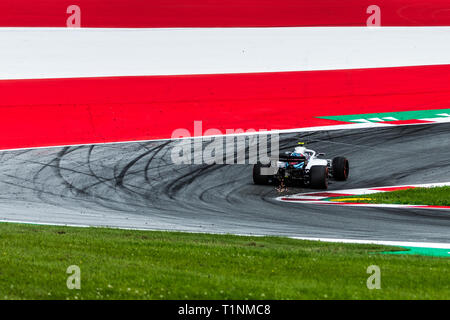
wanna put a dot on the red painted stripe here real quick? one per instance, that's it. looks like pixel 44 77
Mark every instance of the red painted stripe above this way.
pixel 90 110
pixel 297 199
pixel 430 206
pixel 412 121
pixel 223 13
pixel 349 203
pixel 327 194
pixel 393 188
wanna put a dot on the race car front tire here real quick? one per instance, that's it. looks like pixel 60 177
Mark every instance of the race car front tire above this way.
pixel 340 168
pixel 319 177
pixel 258 178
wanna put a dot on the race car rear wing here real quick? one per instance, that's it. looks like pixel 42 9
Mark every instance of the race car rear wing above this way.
pixel 289 158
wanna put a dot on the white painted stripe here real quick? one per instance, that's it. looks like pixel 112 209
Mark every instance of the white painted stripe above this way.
pixel 361 120
pixel 435 245
pixel 63 52
pixel 438 120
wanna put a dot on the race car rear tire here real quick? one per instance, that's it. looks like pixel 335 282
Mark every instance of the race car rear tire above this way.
pixel 257 177
pixel 319 177
pixel 341 168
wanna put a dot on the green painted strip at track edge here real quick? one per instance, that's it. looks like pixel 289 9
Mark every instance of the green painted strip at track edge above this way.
pixel 399 115
pixel 421 251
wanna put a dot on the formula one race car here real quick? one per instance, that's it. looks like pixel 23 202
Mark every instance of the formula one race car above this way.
pixel 301 166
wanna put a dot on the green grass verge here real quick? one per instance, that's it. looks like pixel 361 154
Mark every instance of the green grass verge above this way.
pixel 121 264
pixel 438 196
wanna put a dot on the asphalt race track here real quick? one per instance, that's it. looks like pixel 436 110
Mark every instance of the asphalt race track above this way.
pixel 135 185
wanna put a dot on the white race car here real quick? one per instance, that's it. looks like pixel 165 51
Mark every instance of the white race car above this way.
pixel 301 166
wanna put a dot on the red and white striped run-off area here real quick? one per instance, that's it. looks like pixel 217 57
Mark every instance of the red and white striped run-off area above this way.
pixel 138 70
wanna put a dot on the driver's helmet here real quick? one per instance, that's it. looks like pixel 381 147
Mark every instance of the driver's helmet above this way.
pixel 299 152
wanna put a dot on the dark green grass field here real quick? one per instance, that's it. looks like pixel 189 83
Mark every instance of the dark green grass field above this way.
pixel 438 196
pixel 122 264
